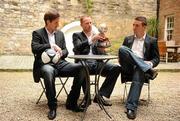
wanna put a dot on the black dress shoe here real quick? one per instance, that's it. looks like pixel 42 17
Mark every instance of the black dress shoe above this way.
pixel 85 104
pixel 131 114
pixel 151 74
pixel 52 114
pixel 75 108
pixel 104 102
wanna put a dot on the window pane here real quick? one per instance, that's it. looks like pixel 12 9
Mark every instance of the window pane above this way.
pixel 169 27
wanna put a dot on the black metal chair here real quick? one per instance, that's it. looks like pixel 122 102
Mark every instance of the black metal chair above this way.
pixel 129 83
pixel 63 81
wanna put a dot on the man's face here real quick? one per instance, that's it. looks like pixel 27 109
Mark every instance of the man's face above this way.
pixel 138 28
pixel 53 25
pixel 86 24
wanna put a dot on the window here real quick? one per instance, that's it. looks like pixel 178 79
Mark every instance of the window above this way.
pixel 169 27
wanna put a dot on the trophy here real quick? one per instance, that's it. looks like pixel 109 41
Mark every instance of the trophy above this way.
pixel 104 43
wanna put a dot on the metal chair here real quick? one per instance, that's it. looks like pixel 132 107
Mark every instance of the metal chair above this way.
pixel 129 83
pixel 62 83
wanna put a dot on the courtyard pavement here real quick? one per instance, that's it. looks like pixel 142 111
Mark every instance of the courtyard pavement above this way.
pixel 19 93
pixel 25 63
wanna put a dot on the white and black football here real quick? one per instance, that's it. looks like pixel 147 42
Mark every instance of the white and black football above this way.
pixel 50 56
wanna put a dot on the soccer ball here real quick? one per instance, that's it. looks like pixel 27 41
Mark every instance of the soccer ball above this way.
pixel 50 56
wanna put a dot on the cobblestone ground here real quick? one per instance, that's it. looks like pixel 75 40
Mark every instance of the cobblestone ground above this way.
pixel 18 95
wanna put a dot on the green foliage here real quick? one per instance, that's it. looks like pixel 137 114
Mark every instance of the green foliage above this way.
pixel 152 27
pixel 115 45
pixel 89 5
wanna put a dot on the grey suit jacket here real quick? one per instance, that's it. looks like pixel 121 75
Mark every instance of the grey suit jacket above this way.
pixel 151 52
pixel 40 43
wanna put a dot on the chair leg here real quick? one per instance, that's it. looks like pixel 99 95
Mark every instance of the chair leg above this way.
pixel 44 90
pixel 125 93
pixel 166 57
pixel 63 86
pixel 148 93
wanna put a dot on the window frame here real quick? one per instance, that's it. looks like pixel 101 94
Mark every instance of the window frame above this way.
pixel 169 27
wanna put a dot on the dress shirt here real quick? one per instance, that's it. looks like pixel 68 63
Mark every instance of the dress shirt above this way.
pixel 90 42
pixel 51 37
pixel 138 46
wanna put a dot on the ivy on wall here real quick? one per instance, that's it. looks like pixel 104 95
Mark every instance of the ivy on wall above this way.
pixel 89 5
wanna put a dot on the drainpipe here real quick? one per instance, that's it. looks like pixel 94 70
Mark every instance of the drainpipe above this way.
pixel 157 16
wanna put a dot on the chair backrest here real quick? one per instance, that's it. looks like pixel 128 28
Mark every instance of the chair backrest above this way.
pixel 169 43
pixel 162 48
pixel 68 31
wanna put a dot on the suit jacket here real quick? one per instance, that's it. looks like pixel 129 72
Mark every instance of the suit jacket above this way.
pixel 82 47
pixel 40 43
pixel 151 52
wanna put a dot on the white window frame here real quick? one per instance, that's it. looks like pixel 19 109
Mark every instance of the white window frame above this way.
pixel 169 27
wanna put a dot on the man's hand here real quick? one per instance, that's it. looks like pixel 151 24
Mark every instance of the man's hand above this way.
pixel 149 63
pixel 57 49
pixel 97 37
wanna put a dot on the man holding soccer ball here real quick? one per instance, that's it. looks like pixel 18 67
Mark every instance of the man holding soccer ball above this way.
pixel 49 37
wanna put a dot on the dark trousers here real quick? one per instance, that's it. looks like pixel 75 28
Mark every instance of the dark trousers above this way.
pixel 110 71
pixel 69 70
pixel 135 67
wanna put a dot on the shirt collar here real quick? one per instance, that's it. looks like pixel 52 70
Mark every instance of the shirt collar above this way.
pixel 143 38
pixel 49 32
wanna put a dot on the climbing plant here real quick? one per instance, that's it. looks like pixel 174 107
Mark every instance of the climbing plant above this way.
pixel 89 5
pixel 152 27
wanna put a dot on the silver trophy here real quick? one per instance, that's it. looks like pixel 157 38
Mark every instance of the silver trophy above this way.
pixel 104 43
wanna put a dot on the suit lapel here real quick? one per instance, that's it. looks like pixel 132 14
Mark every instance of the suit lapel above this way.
pixel 57 38
pixel 84 37
pixel 146 45
pixel 45 35
pixel 130 41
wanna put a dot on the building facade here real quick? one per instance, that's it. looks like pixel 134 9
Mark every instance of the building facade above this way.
pixel 169 21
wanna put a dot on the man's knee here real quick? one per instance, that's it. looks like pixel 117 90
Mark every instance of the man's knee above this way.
pixel 47 70
pixel 116 69
pixel 123 49
pixel 124 53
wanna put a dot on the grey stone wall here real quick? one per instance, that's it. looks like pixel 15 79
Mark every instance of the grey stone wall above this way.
pixel 18 18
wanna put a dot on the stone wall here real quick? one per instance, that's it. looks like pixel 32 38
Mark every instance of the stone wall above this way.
pixel 18 18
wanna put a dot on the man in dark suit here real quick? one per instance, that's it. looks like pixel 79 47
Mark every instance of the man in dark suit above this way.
pixel 137 56
pixel 84 45
pixel 46 38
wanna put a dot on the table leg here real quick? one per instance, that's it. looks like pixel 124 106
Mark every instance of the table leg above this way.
pixel 97 89
pixel 87 91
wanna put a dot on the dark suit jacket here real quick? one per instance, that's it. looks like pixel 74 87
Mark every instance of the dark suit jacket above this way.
pixel 151 52
pixel 82 47
pixel 40 43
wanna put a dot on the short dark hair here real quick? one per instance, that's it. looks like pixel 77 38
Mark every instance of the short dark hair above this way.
pixel 142 19
pixel 83 17
pixel 51 15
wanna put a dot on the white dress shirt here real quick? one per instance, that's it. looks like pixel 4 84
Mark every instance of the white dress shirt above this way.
pixel 138 46
pixel 90 41
pixel 51 37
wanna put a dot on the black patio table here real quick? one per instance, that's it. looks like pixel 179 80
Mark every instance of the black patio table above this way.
pixel 104 59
